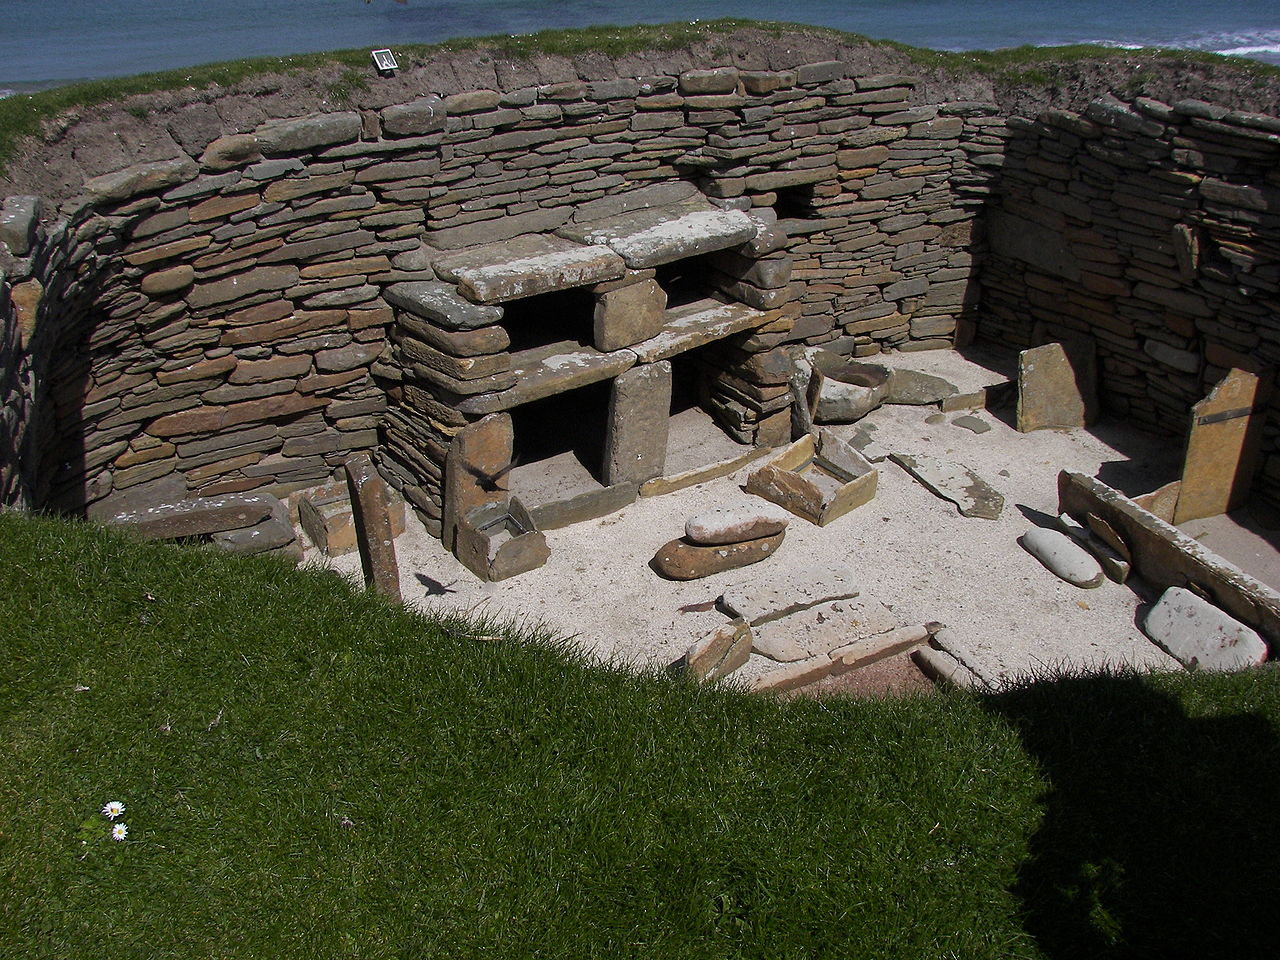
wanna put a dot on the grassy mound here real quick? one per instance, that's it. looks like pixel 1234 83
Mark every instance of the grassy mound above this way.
pixel 309 771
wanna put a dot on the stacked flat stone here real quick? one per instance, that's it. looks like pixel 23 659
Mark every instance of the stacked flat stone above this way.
pixel 1154 229
pixel 723 539
pixel 205 309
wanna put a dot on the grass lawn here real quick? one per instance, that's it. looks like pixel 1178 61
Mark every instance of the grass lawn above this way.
pixel 311 772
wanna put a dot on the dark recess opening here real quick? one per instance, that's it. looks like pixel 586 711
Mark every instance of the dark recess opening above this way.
pixel 686 281
pixel 571 422
pixel 795 203
pixel 688 380
pixel 550 318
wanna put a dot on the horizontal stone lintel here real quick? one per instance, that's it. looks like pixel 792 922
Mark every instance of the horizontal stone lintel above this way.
pixel 555 368
pixel 527 266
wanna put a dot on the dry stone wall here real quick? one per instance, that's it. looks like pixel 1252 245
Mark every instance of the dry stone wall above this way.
pixel 219 322
pixel 235 304
pixel 1154 231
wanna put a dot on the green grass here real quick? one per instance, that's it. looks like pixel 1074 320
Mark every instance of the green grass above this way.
pixel 23 115
pixel 310 771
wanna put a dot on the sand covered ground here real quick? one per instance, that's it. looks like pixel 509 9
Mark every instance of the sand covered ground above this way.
pixel 907 548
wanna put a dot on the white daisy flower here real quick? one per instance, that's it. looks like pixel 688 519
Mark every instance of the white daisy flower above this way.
pixel 119 831
pixel 113 809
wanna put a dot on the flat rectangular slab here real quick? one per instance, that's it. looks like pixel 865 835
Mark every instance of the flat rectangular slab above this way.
pixel 697 323
pixel 440 302
pixel 647 238
pixel 554 368
pixel 527 266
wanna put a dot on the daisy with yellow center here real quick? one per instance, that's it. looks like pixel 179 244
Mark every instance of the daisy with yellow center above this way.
pixel 119 831
pixel 113 809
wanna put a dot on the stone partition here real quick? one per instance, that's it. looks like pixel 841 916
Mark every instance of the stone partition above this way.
pixel 238 294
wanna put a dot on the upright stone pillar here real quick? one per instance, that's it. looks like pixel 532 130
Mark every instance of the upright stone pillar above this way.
pixel 370 507
pixel 475 472
pixel 635 447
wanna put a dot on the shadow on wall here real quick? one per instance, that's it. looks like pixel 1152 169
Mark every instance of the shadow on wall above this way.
pixel 1158 837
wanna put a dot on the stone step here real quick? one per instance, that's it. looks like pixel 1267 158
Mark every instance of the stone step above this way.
pixel 527 266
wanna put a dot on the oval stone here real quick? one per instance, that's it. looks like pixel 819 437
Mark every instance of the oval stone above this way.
pixel 1063 557
pixel 736 524
pixel 681 560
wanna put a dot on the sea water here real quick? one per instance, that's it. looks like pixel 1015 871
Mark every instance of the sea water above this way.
pixel 46 42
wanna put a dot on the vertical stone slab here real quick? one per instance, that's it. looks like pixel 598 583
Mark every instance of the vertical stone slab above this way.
pixel 635 447
pixel 1057 387
pixel 475 471
pixel 629 315
pixel 371 508
pixel 1222 447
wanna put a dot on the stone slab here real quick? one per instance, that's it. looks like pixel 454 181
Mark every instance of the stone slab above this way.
pixel 499 541
pixel 628 315
pixel 1222 447
pixel 18 219
pixel 734 524
pixel 914 388
pixel 696 475
pixel 635 442
pixel 272 533
pixel 718 654
pixel 1055 389
pixel 657 235
pixel 584 506
pixel 972 495
pixel 822 628
pixel 1200 635
pixel 681 560
pixel 782 592
pixel 371 507
pixel 195 518
pixel 1063 557
pixel 476 469
pixel 699 323
pixel 527 266
pixel 441 303
pixel 548 370
pixel 1164 556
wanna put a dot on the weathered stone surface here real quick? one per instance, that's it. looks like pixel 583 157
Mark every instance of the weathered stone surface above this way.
pixel 499 540
pixel 952 481
pixel 718 654
pixel 140 178
pixel 1164 556
pixel 371 508
pixel 440 302
pixel 18 219
pixel 647 238
pixel 1185 360
pixel 527 266
pixel 1055 390
pixel 696 324
pixel 655 195
pixel 501 228
pixel 820 480
pixel 25 299
pixel 1200 635
pixel 1062 557
pixel 629 315
pixel 215 419
pixel 584 506
pixel 168 281
pixel 540 373
pixel 230 151
pixel 681 560
pixel 841 390
pixel 325 514
pixel 780 593
pixel 972 424
pixel 424 115
pixel 476 470
pixel 1222 447
pixel 1031 243
pixel 196 518
pixel 748 521
pixel 914 388
pixel 635 444
pixel 242 285
pixel 271 533
pixel 822 628
pixel 297 134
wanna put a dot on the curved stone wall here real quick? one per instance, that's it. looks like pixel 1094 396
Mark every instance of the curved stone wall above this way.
pixel 221 316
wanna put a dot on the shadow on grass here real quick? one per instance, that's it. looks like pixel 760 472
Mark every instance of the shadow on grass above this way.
pixel 1158 837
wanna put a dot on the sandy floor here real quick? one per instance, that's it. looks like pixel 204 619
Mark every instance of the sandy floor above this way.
pixel 909 549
